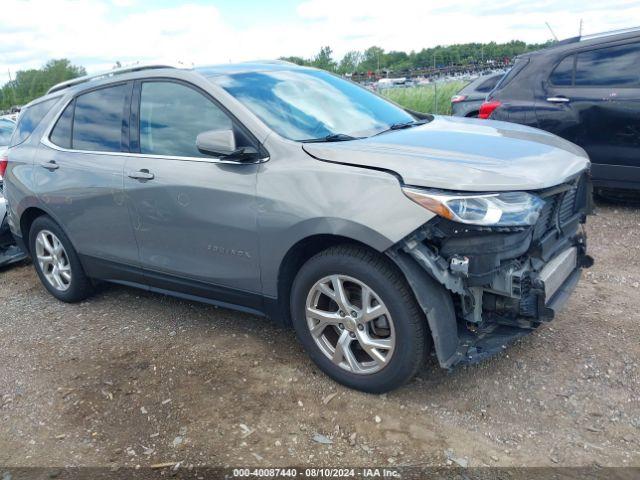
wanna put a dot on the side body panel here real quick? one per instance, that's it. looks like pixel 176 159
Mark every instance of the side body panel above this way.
pixel 299 196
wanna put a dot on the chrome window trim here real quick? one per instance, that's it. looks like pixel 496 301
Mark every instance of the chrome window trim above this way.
pixel 44 140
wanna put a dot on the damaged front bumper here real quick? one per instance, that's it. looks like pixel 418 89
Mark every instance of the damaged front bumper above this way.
pixel 482 288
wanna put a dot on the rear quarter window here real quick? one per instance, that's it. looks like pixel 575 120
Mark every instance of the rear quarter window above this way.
pixel 513 73
pixel 61 134
pixel 29 120
pixel 489 84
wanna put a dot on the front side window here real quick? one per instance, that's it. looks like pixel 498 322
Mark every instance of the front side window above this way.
pixel 30 118
pixel 562 75
pixel 305 104
pixel 6 129
pixel 97 122
pixel 172 115
pixel 609 67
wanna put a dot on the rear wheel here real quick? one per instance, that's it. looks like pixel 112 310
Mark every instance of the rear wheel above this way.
pixel 57 262
pixel 357 319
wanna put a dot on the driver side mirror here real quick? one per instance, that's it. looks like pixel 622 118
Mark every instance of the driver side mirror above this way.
pixel 217 142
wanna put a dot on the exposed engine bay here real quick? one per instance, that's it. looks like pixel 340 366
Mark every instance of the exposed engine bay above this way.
pixel 503 282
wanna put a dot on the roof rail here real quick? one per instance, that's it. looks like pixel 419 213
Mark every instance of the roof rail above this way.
pixel 96 76
pixel 609 33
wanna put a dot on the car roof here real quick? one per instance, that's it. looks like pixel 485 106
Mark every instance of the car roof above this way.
pixel 574 43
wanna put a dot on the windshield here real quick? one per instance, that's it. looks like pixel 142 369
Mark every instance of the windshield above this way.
pixel 310 104
pixel 6 129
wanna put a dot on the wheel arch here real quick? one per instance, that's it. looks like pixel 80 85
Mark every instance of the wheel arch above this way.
pixel 27 218
pixel 297 255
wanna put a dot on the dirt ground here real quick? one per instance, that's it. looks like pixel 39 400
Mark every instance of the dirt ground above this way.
pixel 131 378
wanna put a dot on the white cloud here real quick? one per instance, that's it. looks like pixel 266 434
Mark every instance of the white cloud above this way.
pixel 94 33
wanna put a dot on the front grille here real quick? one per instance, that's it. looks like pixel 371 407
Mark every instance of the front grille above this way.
pixel 568 204
pixel 561 207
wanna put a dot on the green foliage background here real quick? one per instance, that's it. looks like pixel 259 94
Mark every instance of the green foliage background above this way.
pixel 423 98
pixel 30 84
pixel 375 58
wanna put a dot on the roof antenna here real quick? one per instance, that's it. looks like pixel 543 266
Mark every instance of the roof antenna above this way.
pixel 551 30
pixel 580 31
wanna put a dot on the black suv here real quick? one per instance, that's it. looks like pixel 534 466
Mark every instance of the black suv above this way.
pixel 587 90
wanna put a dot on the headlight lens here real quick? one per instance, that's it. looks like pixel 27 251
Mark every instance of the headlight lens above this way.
pixel 499 209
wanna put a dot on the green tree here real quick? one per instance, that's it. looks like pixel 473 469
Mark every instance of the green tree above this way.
pixel 324 59
pixel 350 62
pixel 33 83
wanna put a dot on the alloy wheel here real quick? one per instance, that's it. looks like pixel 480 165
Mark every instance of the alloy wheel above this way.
pixel 350 324
pixel 53 260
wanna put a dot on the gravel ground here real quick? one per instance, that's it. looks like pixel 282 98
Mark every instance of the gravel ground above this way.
pixel 132 378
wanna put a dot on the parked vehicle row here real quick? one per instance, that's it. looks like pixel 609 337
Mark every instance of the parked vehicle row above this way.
pixel 9 252
pixel 586 90
pixel 467 102
pixel 285 191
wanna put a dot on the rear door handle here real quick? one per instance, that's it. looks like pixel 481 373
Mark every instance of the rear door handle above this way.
pixel 50 165
pixel 558 99
pixel 143 174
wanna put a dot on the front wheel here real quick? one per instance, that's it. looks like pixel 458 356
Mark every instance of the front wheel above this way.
pixel 358 320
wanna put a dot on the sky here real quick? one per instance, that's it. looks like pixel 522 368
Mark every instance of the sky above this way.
pixel 97 33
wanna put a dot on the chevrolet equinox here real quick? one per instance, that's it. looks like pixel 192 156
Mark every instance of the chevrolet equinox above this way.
pixel 379 234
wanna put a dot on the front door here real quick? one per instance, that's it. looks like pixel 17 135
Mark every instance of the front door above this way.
pixel 194 215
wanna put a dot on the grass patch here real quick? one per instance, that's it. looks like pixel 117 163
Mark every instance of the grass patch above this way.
pixel 423 98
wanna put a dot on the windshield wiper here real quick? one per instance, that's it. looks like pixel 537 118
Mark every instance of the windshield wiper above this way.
pixel 400 126
pixel 333 137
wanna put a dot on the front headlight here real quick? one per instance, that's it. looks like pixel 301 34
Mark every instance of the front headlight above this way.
pixel 506 209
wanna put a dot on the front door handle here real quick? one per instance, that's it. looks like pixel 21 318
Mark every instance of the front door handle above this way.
pixel 50 165
pixel 558 99
pixel 143 174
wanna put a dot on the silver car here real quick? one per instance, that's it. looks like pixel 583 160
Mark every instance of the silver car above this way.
pixel 379 234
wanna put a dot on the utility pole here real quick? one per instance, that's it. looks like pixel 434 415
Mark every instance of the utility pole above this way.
pixel 13 99
pixel 580 30
pixel 551 30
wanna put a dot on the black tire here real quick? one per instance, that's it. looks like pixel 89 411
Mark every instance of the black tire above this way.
pixel 80 286
pixel 412 340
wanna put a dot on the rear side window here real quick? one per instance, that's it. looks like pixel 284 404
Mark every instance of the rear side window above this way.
pixel 609 67
pixel 98 118
pixel 61 134
pixel 30 118
pixel 562 75
pixel 173 115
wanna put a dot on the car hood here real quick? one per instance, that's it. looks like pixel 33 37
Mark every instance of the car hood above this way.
pixel 463 154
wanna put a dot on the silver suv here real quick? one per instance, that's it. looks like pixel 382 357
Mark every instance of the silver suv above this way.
pixel 379 234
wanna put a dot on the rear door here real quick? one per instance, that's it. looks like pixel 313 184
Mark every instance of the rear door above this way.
pixel 194 215
pixel 79 178
pixel 594 100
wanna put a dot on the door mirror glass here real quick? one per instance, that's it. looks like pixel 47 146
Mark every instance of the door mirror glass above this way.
pixel 217 142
